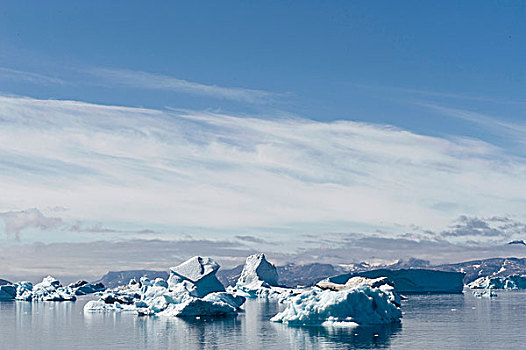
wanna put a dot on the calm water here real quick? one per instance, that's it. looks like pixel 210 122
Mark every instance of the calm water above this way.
pixel 430 322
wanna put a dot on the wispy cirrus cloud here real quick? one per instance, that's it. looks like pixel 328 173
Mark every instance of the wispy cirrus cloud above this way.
pixel 515 129
pixel 210 172
pixel 152 81
pixel 35 78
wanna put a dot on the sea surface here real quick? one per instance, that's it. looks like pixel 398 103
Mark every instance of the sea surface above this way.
pixel 429 322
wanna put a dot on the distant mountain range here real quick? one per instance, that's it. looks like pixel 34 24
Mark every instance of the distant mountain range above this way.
pixel 474 269
pixel 293 275
pixel 118 278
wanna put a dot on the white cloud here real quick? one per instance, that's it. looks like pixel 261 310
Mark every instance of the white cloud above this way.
pixel 16 221
pixel 151 81
pixel 214 171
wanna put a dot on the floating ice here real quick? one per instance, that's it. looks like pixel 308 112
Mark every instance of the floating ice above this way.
pixel 487 293
pixel 259 279
pixel 49 289
pixel 192 290
pixel 257 272
pixel 201 272
pixel 362 304
pixel 511 282
pixel 7 292
pixel 214 305
pixel 85 288
pixel 409 281
pixel 101 306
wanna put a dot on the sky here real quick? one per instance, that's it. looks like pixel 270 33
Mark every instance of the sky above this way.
pixel 311 130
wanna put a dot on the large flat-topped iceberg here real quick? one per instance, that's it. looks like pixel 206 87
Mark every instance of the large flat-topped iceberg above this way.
pixel 512 282
pixel 201 272
pixel 362 304
pixel 4 282
pixel 7 292
pixel 413 280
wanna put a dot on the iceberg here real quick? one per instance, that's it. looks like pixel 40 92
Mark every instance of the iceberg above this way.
pixel 361 304
pixel 192 290
pixel 212 305
pixel 114 279
pixel 50 289
pixel 512 282
pixel 201 272
pixel 85 288
pixel 259 279
pixel 257 272
pixel 413 281
pixel 7 292
pixel 487 293
pixel 101 306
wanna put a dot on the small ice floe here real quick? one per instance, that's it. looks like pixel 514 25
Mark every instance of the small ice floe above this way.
pixel 485 293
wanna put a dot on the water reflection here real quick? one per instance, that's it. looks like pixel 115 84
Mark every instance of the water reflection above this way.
pixel 251 329
pixel 430 322
pixel 188 333
pixel 361 337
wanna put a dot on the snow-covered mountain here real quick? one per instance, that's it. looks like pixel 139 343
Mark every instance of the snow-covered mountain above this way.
pixel 474 269
pixel 293 275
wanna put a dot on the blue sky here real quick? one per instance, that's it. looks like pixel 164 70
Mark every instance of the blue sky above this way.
pixel 330 60
pixel 273 119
